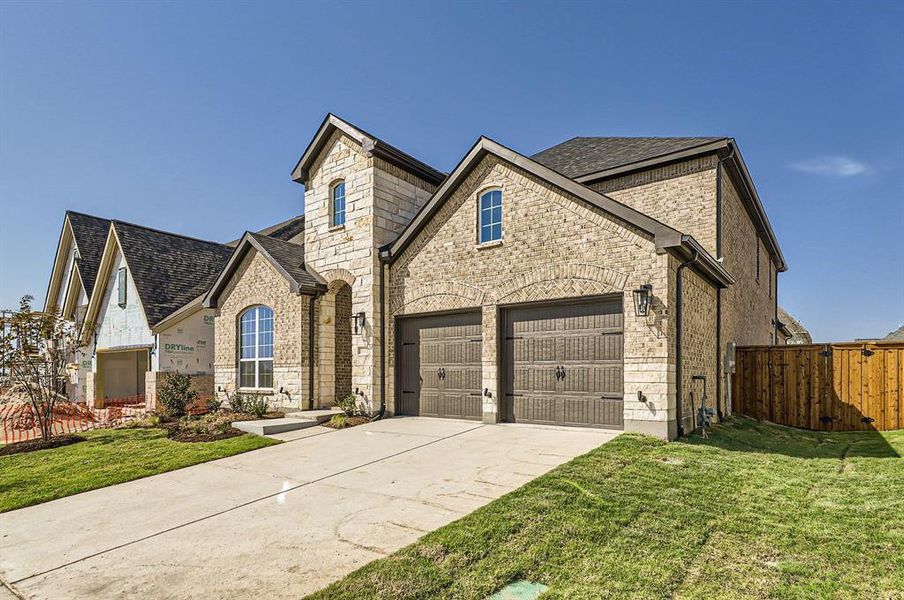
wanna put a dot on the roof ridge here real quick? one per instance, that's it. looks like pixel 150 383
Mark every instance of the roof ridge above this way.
pixel 81 214
pixel 170 233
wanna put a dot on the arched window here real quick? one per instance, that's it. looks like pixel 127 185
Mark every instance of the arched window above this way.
pixel 337 204
pixel 490 218
pixel 256 348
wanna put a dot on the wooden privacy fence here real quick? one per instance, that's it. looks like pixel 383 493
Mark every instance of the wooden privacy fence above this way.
pixel 829 387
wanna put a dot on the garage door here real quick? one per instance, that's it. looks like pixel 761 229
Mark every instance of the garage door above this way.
pixel 563 364
pixel 438 366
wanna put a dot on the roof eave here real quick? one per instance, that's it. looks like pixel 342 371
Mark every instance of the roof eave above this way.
pixel 689 248
pixel 735 159
pixel 180 313
pixel 727 150
pixel 646 163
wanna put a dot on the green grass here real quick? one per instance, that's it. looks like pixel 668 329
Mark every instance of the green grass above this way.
pixel 755 511
pixel 109 456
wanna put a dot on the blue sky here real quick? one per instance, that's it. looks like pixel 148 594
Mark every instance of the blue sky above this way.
pixel 189 117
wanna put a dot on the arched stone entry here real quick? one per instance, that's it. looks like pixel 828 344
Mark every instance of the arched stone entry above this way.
pixel 343 339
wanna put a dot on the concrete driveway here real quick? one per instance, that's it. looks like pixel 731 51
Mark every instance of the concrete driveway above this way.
pixel 277 522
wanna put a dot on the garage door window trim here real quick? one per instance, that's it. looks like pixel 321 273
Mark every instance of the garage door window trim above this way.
pixel 255 333
pixel 489 217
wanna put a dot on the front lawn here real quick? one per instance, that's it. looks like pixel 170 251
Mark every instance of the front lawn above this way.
pixel 108 456
pixel 755 511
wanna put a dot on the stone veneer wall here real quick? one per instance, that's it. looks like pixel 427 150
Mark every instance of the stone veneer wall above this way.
pixel 256 281
pixel 554 247
pixel 681 195
pixel 380 200
pixel 748 306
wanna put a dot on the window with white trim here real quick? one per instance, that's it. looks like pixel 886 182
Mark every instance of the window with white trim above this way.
pixel 490 218
pixel 337 204
pixel 256 348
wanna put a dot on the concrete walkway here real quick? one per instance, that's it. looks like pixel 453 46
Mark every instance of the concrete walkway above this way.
pixel 278 522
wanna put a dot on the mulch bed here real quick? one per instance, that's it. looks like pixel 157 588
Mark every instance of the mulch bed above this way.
pixel 177 435
pixel 349 422
pixel 40 444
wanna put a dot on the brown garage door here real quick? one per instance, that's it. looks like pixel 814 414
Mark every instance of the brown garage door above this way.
pixel 563 364
pixel 438 366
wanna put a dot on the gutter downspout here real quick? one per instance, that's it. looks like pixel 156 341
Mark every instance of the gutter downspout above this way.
pixel 679 290
pixel 382 412
pixel 311 351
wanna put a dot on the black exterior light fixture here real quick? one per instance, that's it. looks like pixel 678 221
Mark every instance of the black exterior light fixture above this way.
pixel 358 321
pixel 643 298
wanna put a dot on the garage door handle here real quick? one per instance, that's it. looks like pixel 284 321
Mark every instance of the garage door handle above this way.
pixel 516 395
pixel 475 394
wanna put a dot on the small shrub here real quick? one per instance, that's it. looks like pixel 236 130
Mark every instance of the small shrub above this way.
pixel 339 421
pixel 349 405
pixel 175 394
pixel 257 405
pixel 214 404
pixel 237 402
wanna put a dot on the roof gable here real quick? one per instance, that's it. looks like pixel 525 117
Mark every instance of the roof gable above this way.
pixel 287 258
pixel 371 144
pixel 665 237
pixel 169 270
pixel 87 234
pixel 90 234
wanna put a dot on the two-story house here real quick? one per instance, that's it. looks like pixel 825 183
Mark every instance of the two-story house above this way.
pixel 602 282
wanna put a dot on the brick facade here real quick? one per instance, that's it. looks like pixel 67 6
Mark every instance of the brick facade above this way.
pixel 748 306
pixel 681 195
pixel 554 246
pixel 255 282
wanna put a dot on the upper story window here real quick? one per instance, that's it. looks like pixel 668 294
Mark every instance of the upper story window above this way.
pixel 490 218
pixel 256 348
pixel 122 287
pixel 337 204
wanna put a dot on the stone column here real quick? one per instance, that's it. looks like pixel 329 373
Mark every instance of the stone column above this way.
pixel 489 366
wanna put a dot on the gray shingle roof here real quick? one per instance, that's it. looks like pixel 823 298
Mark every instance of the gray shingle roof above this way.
pixel 584 155
pixel 799 333
pixel 169 270
pixel 285 230
pixel 895 336
pixel 90 236
pixel 290 257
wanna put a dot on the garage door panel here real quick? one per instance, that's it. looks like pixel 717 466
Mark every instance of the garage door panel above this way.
pixel 593 411
pixel 439 370
pixel 534 379
pixel 535 349
pixel 584 341
pixel 535 409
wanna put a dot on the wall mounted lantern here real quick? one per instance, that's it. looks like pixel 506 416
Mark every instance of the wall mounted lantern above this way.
pixel 358 321
pixel 643 298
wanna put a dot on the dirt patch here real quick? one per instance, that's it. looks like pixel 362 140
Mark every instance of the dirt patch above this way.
pixel 40 444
